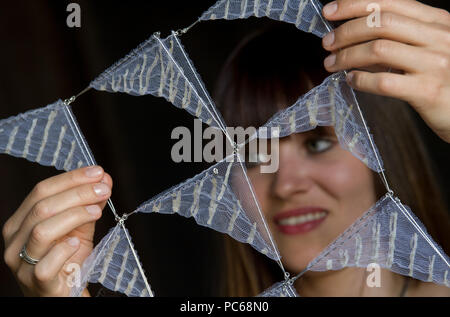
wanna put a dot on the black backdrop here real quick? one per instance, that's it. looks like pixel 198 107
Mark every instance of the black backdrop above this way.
pixel 42 60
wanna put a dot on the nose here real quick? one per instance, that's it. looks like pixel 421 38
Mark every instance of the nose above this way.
pixel 294 174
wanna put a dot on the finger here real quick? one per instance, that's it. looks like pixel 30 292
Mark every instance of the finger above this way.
pixel 47 271
pixel 386 84
pixel 46 233
pixel 382 52
pixel 348 9
pixel 392 26
pixel 52 186
pixel 80 196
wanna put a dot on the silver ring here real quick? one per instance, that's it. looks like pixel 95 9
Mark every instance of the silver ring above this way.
pixel 24 256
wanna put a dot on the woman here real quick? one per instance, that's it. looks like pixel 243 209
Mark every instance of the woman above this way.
pixel 64 208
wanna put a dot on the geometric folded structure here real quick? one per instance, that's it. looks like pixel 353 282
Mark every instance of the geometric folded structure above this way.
pixel 115 265
pixel 390 235
pixel 45 136
pixel 222 199
pixel 302 13
pixel 161 67
pixel 329 104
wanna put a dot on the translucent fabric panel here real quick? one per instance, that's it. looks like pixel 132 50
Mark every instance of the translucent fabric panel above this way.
pixel 303 13
pixel 160 67
pixel 330 104
pixel 47 136
pixel 390 235
pixel 113 264
pixel 280 289
pixel 222 199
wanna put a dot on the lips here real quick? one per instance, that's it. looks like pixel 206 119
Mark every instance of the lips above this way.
pixel 301 220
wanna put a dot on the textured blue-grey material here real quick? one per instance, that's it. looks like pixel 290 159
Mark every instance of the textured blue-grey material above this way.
pixel 44 136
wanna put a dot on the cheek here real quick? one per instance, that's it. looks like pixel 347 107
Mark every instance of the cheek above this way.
pixel 346 176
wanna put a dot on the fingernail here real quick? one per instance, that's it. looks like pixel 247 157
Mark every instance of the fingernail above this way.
pixel 328 40
pixel 94 171
pixel 73 241
pixel 330 60
pixel 349 78
pixel 101 189
pixel 93 210
pixel 330 8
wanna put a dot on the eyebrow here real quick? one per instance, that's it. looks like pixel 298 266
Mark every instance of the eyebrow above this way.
pixel 321 131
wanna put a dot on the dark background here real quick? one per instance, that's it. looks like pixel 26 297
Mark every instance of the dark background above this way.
pixel 42 60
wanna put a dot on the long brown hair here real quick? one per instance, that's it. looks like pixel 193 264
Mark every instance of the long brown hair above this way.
pixel 268 71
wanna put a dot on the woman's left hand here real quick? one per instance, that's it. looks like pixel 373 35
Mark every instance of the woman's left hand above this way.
pixel 412 38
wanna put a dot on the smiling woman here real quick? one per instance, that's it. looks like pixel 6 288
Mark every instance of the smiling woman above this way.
pixel 320 188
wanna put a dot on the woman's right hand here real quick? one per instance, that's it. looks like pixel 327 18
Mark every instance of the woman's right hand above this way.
pixel 56 221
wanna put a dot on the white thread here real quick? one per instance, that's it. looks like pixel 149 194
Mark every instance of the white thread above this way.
pixel 329 264
pixel 51 118
pixel 301 7
pixel 269 7
pixel 122 269
pixel 133 76
pixel 358 249
pixel 125 81
pixel 198 112
pixel 292 122
pixel 236 211
pixel 251 236
pixel 243 9
pixel 80 163
pixel 283 13
pixel 132 282
pixel 392 237
pixel 173 93
pixel 28 139
pixel 353 141
pixel 212 205
pixel 183 101
pixel 12 138
pixel 68 162
pixel 312 26
pixel 227 7
pixel 413 244
pixel 58 146
pixel 331 92
pixel 225 182
pixel 343 254
pixel 256 8
pixel 375 240
pixel 156 208
pixel 108 258
pixel 176 201
pixel 430 268
pixel 196 202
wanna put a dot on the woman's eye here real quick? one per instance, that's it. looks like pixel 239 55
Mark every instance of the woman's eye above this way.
pixel 319 145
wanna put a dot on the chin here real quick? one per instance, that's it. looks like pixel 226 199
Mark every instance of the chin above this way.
pixel 296 261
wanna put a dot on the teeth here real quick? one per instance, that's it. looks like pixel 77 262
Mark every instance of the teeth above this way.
pixel 292 221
